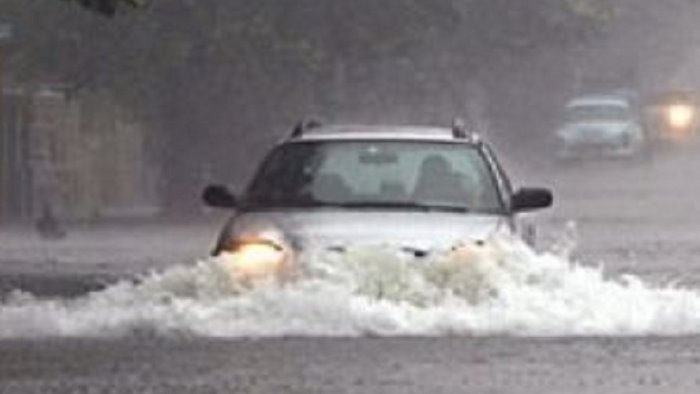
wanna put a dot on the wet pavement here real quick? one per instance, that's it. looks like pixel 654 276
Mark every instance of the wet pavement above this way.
pixel 367 365
pixel 633 217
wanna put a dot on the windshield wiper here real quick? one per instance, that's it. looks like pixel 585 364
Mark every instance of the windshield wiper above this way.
pixel 402 205
pixel 409 205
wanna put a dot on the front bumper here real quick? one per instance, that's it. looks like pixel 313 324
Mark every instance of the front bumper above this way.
pixel 597 149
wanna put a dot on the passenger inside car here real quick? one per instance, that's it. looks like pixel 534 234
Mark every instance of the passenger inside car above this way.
pixel 438 182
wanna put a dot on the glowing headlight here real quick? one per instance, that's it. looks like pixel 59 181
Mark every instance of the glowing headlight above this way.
pixel 680 116
pixel 256 259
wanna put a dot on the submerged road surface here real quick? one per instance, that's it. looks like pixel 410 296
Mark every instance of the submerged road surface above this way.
pixel 368 365
pixel 640 219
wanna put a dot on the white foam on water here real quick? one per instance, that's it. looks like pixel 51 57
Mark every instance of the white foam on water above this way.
pixel 502 288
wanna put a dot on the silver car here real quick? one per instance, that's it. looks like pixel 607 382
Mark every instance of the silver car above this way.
pixel 417 189
pixel 600 126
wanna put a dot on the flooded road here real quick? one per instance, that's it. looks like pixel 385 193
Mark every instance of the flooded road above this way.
pixel 368 365
pixel 640 219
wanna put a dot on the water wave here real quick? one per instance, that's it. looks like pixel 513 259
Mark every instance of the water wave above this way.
pixel 499 288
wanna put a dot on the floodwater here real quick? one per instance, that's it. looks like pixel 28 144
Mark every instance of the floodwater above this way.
pixel 610 303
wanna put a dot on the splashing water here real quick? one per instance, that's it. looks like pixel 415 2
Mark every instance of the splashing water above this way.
pixel 502 287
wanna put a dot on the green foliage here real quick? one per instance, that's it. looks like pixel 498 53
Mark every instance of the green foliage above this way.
pixel 174 38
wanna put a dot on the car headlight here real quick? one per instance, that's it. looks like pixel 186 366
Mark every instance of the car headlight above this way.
pixel 251 259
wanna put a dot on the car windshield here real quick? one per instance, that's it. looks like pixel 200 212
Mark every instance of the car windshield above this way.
pixel 598 112
pixel 376 174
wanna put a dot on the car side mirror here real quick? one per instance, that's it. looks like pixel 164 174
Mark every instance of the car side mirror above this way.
pixel 218 196
pixel 528 199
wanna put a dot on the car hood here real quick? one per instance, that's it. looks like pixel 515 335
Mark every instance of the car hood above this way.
pixel 416 230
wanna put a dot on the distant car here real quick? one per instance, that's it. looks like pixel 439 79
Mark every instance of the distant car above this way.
pixel 600 126
pixel 417 189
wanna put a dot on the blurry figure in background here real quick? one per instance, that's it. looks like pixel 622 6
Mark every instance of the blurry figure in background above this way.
pixel 48 226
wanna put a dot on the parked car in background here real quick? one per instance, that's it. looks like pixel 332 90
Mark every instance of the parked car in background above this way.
pixel 600 126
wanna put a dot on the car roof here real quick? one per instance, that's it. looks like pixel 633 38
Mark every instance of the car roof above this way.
pixel 381 132
pixel 611 100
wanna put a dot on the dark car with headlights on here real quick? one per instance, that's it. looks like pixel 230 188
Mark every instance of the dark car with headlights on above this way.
pixel 672 117
pixel 418 189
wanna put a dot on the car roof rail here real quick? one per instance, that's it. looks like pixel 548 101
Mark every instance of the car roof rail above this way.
pixel 303 126
pixel 459 128
pixel 461 131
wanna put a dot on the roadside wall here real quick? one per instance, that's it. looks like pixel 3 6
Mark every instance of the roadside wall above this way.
pixel 82 156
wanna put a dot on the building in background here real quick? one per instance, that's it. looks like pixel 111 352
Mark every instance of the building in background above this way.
pixel 82 156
